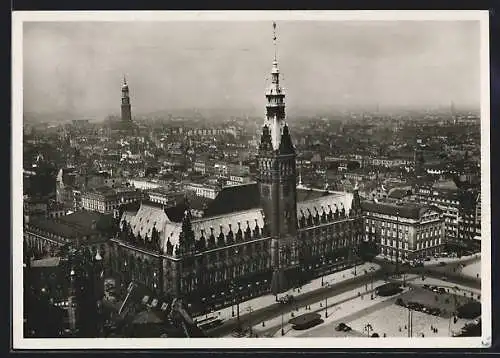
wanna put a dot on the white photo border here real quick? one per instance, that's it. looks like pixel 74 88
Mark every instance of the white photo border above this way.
pixel 19 342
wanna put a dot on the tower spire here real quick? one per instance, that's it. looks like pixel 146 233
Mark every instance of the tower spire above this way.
pixel 274 41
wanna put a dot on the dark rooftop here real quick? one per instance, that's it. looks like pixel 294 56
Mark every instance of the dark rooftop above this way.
pixel 84 220
pixel 399 193
pixel 235 198
pixel 76 224
pixel 56 227
pixel 407 210
pixel 308 194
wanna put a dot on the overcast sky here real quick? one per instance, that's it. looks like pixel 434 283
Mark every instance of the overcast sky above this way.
pixel 78 66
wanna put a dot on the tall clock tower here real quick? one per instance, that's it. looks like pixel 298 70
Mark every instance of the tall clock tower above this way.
pixel 126 111
pixel 277 183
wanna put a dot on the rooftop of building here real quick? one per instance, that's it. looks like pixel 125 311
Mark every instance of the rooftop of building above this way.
pixel 304 194
pixel 332 201
pixel 404 210
pixel 445 184
pixel 55 206
pixel 76 224
pixel 235 198
pixel 46 262
pixel 399 193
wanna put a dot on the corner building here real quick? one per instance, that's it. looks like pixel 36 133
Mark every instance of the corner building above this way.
pixel 255 238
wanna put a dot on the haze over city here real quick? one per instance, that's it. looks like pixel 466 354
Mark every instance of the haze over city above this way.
pixel 77 68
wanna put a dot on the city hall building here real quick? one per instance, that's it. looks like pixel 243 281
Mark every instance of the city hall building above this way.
pixel 254 238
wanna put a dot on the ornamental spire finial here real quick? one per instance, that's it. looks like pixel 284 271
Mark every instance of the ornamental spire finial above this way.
pixel 274 40
pixel 124 80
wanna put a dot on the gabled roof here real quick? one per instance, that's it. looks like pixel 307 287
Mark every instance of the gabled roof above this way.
pixel 235 198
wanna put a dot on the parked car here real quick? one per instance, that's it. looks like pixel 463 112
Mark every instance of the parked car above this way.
pixel 441 290
pixel 435 311
pixel 427 259
pixel 442 263
pixel 444 278
pixel 427 287
pixel 342 327
pixel 286 299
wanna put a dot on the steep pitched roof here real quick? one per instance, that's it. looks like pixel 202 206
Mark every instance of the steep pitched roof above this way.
pixel 229 221
pixel 325 203
pixel 235 198
pixel 150 216
pixel 309 194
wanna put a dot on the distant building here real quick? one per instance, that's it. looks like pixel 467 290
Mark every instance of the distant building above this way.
pixel 406 232
pixel 461 210
pixel 43 237
pixel 144 184
pixel 106 200
pixel 202 190
pixel 125 107
pixel 200 167
pixel 388 162
pixel 165 196
pixel 56 210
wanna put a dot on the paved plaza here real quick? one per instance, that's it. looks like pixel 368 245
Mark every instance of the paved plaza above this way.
pixel 385 317
pixel 473 270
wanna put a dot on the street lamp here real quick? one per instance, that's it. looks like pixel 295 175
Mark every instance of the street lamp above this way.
pixel 249 309
pixel 326 302
pixel 282 322
pixel 410 322
pixel 232 302
pixel 368 328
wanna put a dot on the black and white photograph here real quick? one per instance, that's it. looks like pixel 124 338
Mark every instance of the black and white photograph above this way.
pixel 271 179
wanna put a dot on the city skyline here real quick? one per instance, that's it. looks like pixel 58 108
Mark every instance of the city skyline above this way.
pixel 359 64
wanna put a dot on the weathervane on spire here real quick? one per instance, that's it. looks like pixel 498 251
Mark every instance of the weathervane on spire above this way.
pixel 274 39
